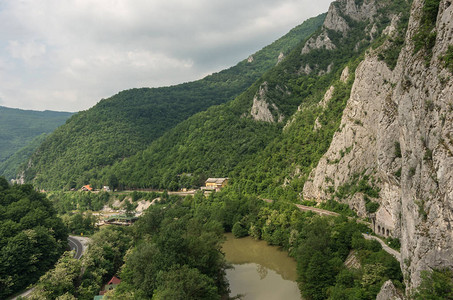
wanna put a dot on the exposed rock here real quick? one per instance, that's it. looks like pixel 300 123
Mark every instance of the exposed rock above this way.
pixel 352 261
pixel 411 105
pixel 345 74
pixel 373 31
pixel 250 59
pixel 327 97
pixel 322 41
pixel 353 149
pixel 426 181
pixel 392 28
pixel 388 292
pixel 305 70
pixel 261 108
pixel 317 125
pixel 334 21
pixel 280 58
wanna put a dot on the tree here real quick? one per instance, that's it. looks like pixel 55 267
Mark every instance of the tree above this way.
pixel 435 285
pixel 185 283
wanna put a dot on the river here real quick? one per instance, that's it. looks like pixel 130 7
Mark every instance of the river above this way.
pixel 260 271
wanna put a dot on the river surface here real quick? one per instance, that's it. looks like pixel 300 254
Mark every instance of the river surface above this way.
pixel 260 271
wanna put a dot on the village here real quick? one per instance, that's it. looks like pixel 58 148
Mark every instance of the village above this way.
pixel 121 214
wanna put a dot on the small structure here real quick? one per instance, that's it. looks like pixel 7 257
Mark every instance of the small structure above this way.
pixel 112 284
pixel 87 188
pixel 215 184
pixel 120 220
pixel 106 188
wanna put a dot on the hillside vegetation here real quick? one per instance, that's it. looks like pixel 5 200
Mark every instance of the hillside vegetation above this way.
pixel 18 129
pixel 32 237
pixel 128 122
pixel 259 155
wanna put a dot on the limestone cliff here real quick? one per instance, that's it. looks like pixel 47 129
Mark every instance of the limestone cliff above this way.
pixel 397 132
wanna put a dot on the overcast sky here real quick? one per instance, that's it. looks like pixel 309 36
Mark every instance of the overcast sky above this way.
pixel 68 54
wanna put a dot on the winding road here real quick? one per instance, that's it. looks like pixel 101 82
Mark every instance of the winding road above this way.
pixel 78 244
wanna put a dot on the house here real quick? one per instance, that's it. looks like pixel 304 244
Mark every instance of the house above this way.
pixel 215 183
pixel 87 188
pixel 112 284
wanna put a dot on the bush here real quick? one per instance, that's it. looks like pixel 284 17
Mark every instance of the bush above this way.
pixel 239 231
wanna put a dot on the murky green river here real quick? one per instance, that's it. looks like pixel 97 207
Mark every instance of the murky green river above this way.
pixel 260 271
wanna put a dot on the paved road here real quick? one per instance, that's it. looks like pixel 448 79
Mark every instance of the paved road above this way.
pixel 77 243
pixel 387 249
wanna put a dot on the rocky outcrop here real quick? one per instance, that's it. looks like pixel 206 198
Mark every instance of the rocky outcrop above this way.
pixel 425 103
pixel 280 58
pixel 388 292
pixel 398 129
pixel 322 41
pixel 262 109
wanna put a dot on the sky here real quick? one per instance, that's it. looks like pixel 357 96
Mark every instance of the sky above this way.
pixel 66 55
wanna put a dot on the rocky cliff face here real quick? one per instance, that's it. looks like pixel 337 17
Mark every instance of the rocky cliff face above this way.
pixel 397 130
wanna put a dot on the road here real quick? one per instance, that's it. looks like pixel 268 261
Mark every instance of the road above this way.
pixel 77 243
pixel 324 212
pixel 387 249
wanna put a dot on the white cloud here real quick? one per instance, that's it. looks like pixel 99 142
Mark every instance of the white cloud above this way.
pixel 67 55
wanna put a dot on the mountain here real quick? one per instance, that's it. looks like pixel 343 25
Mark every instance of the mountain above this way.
pixel 256 139
pixel 128 122
pixel 18 128
pixel 360 113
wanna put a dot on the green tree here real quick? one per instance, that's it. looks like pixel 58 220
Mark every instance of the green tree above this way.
pixel 435 285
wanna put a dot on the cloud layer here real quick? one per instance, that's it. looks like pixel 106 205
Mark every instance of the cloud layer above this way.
pixel 67 55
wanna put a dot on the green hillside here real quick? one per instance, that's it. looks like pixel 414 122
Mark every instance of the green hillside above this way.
pixel 225 141
pixel 9 168
pixel 19 127
pixel 128 122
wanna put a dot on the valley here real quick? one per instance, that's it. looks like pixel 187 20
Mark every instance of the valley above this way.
pixel 333 145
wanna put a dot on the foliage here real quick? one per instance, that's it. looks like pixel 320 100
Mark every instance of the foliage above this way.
pixel 391 51
pixel 435 285
pixel 32 237
pixel 426 35
pixel 59 281
pixel 448 58
pixel 79 223
pixel 10 167
pixel 82 279
pixel 19 127
pixel 341 208
pixel 65 202
pixel 176 255
pixel 128 122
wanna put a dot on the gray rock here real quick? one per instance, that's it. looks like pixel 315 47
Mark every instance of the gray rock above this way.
pixel 388 292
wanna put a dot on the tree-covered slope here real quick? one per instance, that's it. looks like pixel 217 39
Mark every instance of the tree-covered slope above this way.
pixel 128 122
pixel 32 237
pixel 19 127
pixel 275 129
pixel 9 168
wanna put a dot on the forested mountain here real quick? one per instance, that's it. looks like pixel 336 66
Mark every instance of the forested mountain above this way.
pixel 18 128
pixel 32 237
pixel 128 122
pixel 359 113
pixel 275 128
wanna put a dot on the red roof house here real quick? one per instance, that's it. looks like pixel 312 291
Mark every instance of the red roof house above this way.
pixel 87 188
pixel 110 285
